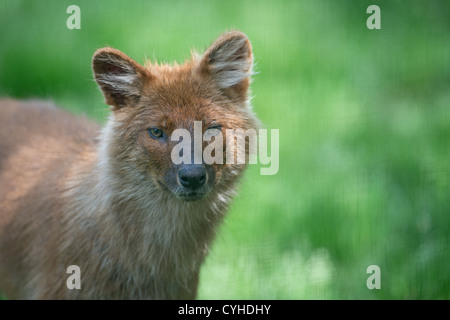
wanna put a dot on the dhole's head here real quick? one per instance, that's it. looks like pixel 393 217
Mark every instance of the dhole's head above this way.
pixel 149 102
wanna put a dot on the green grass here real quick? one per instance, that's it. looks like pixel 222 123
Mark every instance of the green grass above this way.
pixel 364 120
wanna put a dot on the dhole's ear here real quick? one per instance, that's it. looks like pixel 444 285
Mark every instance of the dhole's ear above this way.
pixel 229 62
pixel 120 77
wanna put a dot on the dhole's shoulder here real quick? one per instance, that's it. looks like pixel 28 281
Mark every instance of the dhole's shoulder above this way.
pixel 26 121
pixel 12 108
pixel 40 117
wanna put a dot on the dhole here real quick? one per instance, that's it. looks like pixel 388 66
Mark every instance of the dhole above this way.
pixel 112 201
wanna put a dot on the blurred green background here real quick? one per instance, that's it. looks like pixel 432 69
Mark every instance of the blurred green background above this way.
pixel 364 120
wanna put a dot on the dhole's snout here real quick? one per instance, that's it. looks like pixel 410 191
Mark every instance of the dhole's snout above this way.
pixel 191 181
pixel 192 176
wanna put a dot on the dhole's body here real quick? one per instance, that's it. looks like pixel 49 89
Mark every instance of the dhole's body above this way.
pixel 110 200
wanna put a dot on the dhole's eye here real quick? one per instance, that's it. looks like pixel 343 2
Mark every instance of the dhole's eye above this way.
pixel 155 133
pixel 213 131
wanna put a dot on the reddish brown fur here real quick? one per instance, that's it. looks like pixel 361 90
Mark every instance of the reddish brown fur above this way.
pixel 104 204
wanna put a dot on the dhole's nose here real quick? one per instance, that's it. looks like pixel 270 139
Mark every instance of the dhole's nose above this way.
pixel 192 176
